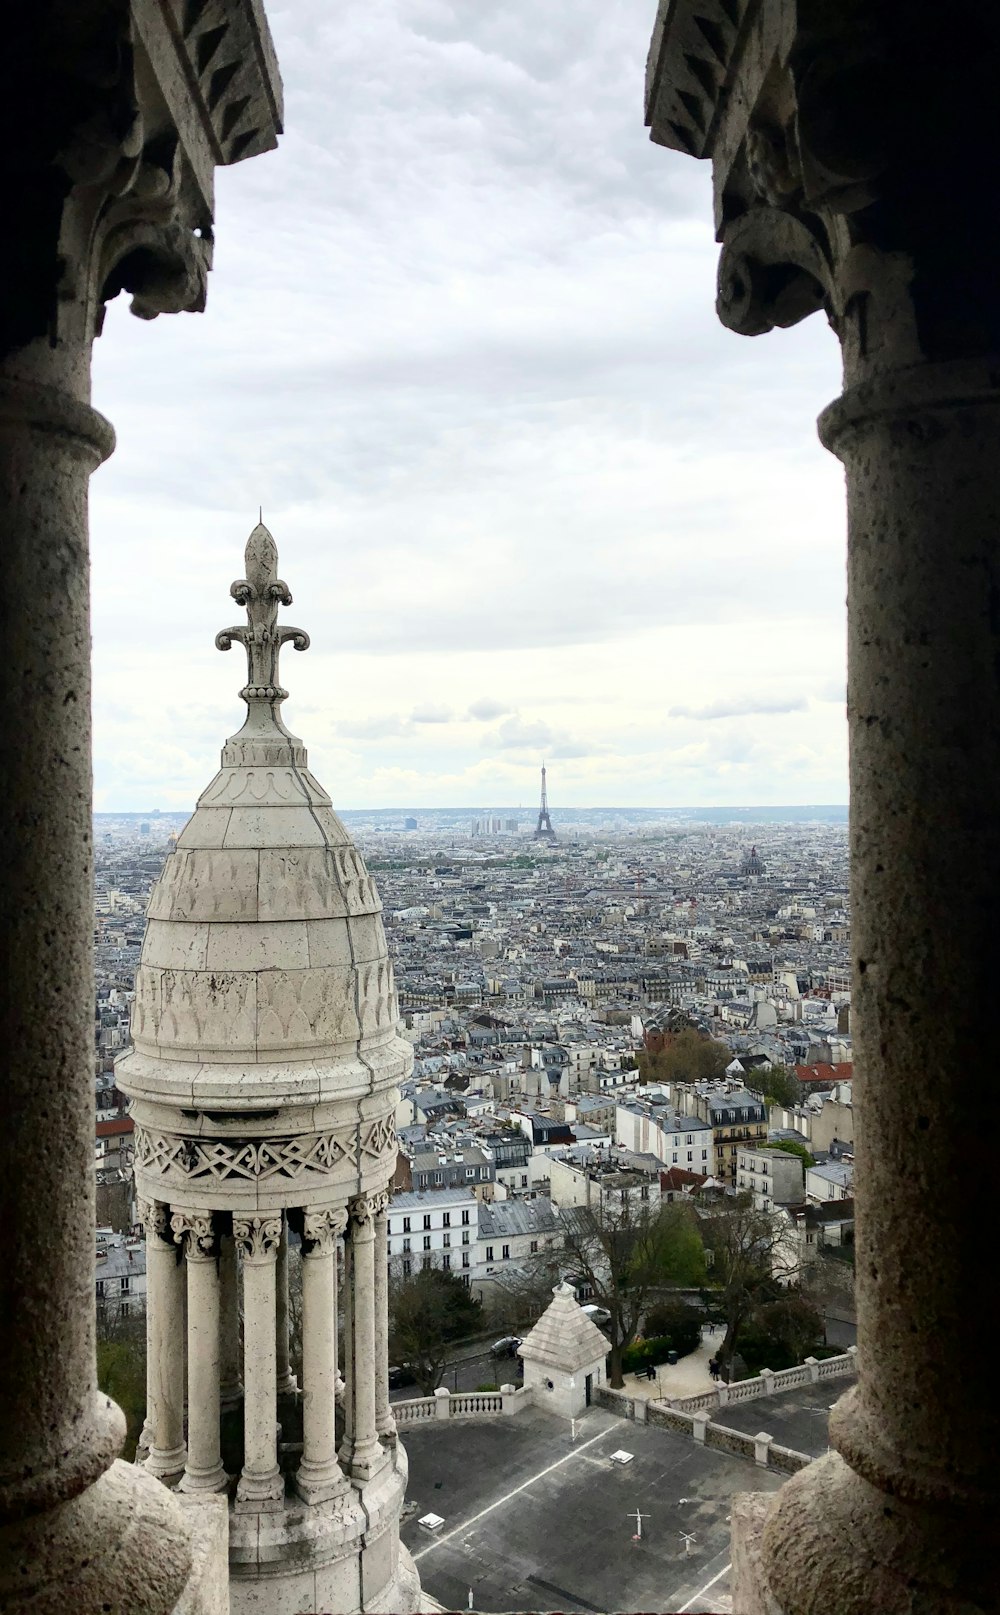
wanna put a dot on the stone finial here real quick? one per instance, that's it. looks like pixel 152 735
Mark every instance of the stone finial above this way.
pixel 261 592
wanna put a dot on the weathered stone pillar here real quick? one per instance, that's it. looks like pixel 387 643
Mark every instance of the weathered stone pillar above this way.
pixel 286 1379
pixel 260 1485
pixel 165 1276
pixel 385 1424
pixel 347 1394
pixel 320 1476
pixel 848 144
pixel 230 1383
pixel 367 1454
pixel 203 1471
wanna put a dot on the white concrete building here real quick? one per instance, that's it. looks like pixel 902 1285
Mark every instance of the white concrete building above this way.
pixel 263 1082
pixel 435 1228
pixel 774 1177
pixel 675 1139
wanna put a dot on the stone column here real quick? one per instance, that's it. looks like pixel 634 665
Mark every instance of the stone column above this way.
pixel 286 1379
pixel 320 1476
pixel 848 147
pixel 203 1471
pixel 385 1424
pixel 165 1275
pixel 347 1393
pixel 261 1485
pixel 367 1454
pixel 230 1383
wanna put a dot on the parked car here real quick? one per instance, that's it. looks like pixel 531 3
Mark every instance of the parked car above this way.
pixel 506 1347
pixel 400 1374
pixel 598 1315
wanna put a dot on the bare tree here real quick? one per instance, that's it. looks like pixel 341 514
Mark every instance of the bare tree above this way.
pixel 749 1255
pixel 428 1312
pixel 623 1249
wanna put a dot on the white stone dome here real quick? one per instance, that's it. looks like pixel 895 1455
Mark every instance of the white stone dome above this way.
pixel 264 978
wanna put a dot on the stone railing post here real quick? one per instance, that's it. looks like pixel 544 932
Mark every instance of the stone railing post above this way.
pixel 722 1392
pixel 842 149
pixel 761 1448
pixel 699 1425
pixel 261 1486
pixel 812 1363
pixel 442 1402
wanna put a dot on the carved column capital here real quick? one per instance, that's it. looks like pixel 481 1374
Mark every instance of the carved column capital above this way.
pixel 364 1208
pixel 321 1231
pixel 846 148
pixel 196 1231
pixel 114 118
pixel 258 1237
pixel 155 1218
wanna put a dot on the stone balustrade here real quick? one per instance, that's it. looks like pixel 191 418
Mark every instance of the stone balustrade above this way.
pixel 446 1404
pixel 767 1383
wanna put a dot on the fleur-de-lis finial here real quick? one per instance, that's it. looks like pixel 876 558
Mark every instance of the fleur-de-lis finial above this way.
pixel 261 592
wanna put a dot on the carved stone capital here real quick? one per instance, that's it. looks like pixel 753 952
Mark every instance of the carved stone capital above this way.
pixel 257 1237
pixel 845 148
pixel 155 1219
pixel 196 1230
pixel 321 1230
pixel 364 1208
pixel 114 118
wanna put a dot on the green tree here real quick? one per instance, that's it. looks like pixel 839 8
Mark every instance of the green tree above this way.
pixel 623 1249
pixel 747 1259
pixel 782 1332
pixel 428 1312
pixel 121 1369
pixel 775 1083
pixel 791 1146
pixel 688 1057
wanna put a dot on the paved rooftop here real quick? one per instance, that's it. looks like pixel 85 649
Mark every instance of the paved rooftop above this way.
pixel 796 1419
pixel 536 1521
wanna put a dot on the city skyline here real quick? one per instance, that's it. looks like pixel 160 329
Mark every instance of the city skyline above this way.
pixel 530 497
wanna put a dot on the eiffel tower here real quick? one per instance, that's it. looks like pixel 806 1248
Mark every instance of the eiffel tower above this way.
pixel 543 829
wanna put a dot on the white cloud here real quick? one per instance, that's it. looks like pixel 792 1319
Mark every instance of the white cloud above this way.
pixel 461 344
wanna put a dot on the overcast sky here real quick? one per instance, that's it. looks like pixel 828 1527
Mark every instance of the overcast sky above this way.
pixel 530 498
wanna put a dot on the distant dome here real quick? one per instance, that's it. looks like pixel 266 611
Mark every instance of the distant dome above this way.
pixel 753 863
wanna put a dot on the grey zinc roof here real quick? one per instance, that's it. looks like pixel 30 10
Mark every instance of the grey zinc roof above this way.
pixel 502 1218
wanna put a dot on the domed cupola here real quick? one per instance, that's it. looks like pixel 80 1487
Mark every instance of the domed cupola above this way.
pixel 263 1081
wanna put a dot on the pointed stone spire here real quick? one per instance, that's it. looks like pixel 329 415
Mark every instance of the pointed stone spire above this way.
pixel 261 592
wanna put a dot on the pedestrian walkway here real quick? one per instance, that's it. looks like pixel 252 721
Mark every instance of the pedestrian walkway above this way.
pixel 688 1377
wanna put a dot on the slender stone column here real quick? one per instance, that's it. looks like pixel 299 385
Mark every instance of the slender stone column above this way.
pixel 367 1453
pixel 165 1276
pixel 231 1386
pixel 57 1434
pixel 261 1485
pixel 320 1476
pixel 203 1471
pixel 347 1393
pixel 385 1424
pixel 286 1379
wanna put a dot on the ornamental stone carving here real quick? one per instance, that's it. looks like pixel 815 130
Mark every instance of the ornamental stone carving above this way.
pixel 257 1237
pixel 321 1231
pixel 197 1231
pixel 117 119
pixel 836 187
pixel 155 1219
pixel 364 1208
pixel 294 1158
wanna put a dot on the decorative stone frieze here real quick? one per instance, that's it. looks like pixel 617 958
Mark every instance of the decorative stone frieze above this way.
pixel 293 1158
